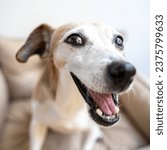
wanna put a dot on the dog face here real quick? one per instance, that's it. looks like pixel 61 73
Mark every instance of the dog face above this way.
pixel 93 54
pixel 87 51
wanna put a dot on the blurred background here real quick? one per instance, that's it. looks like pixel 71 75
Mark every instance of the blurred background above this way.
pixel 20 17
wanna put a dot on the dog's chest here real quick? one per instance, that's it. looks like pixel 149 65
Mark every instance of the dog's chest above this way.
pixel 61 119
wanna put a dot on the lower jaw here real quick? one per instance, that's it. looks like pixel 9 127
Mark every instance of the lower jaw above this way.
pixel 103 120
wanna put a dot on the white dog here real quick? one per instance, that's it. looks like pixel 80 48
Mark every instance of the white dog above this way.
pixel 87 57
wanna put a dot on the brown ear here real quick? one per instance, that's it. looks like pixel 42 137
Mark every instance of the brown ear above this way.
pixel 38 42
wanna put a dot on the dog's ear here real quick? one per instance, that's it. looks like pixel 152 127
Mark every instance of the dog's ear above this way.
pixel 38 42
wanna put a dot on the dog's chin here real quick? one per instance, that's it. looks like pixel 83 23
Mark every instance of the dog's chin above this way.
pixel 103 107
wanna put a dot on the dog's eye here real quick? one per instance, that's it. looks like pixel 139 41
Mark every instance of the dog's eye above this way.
pixel 118 40
pixel 75 39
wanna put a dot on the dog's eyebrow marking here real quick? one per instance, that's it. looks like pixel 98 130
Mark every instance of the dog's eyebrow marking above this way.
pixel 60 33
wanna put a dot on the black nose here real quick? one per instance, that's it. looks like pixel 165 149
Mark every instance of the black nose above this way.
pixel 120 71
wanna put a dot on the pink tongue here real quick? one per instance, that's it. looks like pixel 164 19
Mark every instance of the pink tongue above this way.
pixel 104 101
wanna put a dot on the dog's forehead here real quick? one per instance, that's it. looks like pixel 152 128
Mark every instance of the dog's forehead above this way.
pixel 87 29
pixel 92 30
pixel 95 32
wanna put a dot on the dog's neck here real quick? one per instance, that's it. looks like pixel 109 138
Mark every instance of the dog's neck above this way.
pixel 57 85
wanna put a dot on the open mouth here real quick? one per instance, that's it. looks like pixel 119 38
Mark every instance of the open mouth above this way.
pixel 103 107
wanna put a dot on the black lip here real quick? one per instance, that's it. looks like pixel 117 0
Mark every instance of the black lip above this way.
pixel 100 120
pixel 103 121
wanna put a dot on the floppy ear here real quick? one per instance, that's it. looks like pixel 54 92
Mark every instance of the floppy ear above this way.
pixel 38 42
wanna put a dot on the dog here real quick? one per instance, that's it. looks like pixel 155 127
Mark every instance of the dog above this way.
pixel 85 72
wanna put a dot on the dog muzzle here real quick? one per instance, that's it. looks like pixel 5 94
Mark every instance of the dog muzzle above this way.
pixel 103 107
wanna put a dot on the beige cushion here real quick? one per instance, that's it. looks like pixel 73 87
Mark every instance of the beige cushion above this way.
pixel 21 78
pixel 136 103
pixel 4 95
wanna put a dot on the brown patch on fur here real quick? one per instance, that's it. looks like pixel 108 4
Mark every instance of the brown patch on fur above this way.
pixel 47 86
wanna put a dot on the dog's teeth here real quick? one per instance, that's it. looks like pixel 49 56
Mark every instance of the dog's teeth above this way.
pixel 116 97
pixel 99 111
pixel 103 115
pixel 116 109
pixel 112 116
pixel 108 117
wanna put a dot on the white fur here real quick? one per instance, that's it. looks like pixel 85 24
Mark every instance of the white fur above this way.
pixel 89 62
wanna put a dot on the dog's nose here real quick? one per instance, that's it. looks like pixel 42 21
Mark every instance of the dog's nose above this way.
pixel 120 71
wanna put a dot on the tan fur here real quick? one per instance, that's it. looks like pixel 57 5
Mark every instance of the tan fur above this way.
pixel 47 86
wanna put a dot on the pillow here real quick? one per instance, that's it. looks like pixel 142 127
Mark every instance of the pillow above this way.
pixel 3 97
pixel 136 103
pixel 21 78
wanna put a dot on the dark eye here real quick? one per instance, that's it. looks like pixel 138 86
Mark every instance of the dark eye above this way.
pixel 118 40
pixel 75 40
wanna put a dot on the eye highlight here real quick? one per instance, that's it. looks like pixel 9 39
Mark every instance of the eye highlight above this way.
pixel 75 40
pixel 118 41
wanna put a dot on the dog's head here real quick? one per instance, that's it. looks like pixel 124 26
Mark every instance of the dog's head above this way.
pixel 93 54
